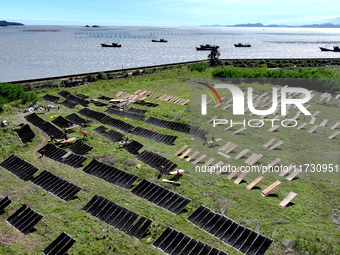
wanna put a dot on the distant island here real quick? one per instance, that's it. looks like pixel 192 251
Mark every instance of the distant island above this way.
pixel 325 25
pixel 4 23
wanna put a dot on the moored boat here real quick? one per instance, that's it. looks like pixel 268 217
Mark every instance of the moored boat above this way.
pixel 335 49
pixel 115 45
pixel 242 45
pixel 207 47
pixel 160 40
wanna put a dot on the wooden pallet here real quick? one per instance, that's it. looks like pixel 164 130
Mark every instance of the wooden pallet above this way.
pixel 180 150
pixel 288 198
pixel 254 182
pixel 192 156
pixel 240 177
pixel 241 154
pixel 270 189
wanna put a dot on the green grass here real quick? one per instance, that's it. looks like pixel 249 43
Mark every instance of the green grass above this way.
pixel 306 227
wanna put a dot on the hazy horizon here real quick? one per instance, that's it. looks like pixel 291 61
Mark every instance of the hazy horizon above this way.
pixel 170 13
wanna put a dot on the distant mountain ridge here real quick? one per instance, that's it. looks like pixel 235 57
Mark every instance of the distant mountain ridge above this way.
pixel 324 25
pixel 4 23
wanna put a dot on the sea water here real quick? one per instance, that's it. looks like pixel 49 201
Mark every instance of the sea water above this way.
pixel 31 52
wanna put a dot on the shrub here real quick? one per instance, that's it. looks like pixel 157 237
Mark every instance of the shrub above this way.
pixel 110 76
pixel 199 67
pixel 2 104
pixel 271 64
pixel 91 78
pixel 101 76
pixel 14 92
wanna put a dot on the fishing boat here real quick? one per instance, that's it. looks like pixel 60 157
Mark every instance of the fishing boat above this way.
pixel 207 47
pixel 335 49
pixel 242 45
pixel 160 40
pixel 115 45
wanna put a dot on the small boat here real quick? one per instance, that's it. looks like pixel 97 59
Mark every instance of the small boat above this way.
pixel 115 45
pixel 335 49
pixel 160 40
pixel 207 47
pixel 242 45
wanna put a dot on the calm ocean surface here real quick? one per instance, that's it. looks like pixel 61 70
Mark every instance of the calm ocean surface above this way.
pixel 42 51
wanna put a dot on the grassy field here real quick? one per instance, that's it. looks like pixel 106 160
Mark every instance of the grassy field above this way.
pixel 309 226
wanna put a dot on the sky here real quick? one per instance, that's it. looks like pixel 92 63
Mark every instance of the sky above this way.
pixel 169 12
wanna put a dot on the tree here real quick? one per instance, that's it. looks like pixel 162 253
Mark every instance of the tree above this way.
pixel 213 57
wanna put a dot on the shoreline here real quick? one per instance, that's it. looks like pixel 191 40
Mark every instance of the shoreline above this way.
pixel 63 77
